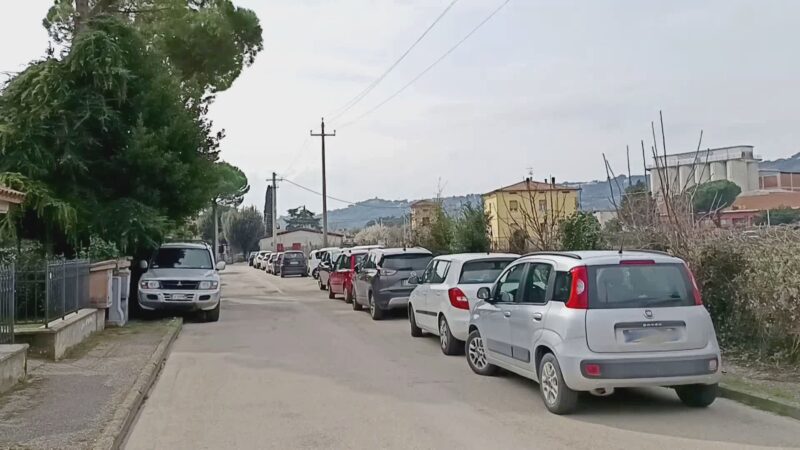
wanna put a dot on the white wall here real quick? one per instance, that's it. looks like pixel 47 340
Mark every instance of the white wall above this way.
pixel 308 240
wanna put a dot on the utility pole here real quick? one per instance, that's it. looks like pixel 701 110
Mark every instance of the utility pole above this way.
pixel 275 210
pixel 324 183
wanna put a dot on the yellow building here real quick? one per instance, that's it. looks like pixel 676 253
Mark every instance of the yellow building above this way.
pixel 423 213
pixel 526 215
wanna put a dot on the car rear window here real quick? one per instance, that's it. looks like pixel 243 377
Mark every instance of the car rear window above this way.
pixel 483 271
pixel 406 261
pixel 296 255
pixel 639 286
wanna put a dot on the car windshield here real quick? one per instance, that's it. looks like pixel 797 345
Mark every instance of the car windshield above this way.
pixel 406 261
pixel 182 258
pixel 639 286
pixel 484 271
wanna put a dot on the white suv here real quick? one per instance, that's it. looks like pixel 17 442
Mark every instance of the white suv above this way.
pixel 446 292
pixel 594 321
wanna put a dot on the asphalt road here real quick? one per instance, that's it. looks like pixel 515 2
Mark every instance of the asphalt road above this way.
pixel 287 368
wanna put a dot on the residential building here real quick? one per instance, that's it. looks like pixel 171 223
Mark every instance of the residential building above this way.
pixel 749 207
pixel 304 239
pixel 603 217
pixel 776 180
pixel 423 213
pixel 681 171
pixel 9 197
pixel 528 209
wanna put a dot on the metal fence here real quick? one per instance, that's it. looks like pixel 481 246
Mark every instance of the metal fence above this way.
pixel 6 304
pixel 51 290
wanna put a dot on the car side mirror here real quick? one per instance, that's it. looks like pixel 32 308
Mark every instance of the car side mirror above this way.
pixel 484 293
pixel 221 265
pixel 143 265
pixel 413 279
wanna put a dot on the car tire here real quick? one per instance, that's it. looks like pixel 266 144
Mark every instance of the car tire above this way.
pixel 697 395
pixel 283 275
pixel 213 315
pixel 416 331
pixel 315 274
pixel 331 295
pixel 356 305
pixel 348 296
pixel 558 397
pixel 476 355
pixel 374 310
pixel 321 286
pixel 447 342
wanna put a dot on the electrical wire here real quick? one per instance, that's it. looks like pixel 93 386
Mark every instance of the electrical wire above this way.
pixel 338 199
pixel 355 100
pixel 414 80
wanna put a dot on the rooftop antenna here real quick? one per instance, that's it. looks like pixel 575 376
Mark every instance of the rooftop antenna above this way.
pixel 621 243
pixel 530 171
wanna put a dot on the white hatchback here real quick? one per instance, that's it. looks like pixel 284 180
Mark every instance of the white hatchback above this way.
pixel 447 291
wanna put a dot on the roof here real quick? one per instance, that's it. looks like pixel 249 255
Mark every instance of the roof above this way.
pixel 597 257
pixel 763 200
pixel 310 230
pixel 463 257
pixel 529 185
pixel 424 202
pixel 202 245
pixel 11 196
pixel 400 251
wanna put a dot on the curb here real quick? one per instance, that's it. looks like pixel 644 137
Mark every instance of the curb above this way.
pixel 117 429
pixel 759 401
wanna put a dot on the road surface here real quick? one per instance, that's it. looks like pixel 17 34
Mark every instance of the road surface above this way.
pixel 285 367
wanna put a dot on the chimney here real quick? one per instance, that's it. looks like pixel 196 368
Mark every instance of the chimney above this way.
pixel 553 181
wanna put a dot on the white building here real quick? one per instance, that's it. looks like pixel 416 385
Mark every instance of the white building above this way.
pixel 683 170
pixel 304 239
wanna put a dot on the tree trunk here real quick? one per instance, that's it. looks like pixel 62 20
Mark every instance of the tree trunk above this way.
pixel 81 14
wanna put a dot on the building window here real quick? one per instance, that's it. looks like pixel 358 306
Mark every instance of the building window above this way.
pixel 426 221
pixel 513 205
pixel 543 205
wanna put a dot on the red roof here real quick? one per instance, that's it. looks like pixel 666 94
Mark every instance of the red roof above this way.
pixel 763 200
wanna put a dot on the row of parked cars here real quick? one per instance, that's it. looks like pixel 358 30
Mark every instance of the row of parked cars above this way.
pixel 284 264
pixel 590 321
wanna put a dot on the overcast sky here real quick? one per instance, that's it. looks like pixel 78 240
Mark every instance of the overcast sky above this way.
pixel 546 84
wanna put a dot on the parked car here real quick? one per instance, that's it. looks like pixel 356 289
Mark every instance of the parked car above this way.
pixel 269 261
pixel 315 257
pixel 182 276
pixel 595 321
pixel 446 293
pixel 326 267
pixel 340 281
pixel 261 258
pixel 251 258
pixel 293 263
pixel 382 279
pixel 275 263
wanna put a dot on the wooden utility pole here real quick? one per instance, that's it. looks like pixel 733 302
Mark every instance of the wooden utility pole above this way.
pixel 324 183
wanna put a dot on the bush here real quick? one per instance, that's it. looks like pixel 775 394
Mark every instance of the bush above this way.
pixel 581 231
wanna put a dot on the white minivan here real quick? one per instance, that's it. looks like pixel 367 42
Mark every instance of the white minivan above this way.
pixel 446 292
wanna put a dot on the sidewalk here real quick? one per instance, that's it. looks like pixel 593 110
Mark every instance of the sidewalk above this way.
pixel 69 404
pixel 772 390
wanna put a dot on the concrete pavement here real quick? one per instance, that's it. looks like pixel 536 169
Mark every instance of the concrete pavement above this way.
pixel 287 368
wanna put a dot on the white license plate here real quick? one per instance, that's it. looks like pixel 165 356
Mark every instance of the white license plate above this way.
pixel 651 335
pixel 293 263
pixel 179 297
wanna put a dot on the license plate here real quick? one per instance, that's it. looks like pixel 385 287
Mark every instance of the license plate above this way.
pixel 178 296
pixel 293 263
pixel 651 335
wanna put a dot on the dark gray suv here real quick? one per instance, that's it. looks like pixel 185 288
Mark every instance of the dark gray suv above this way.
pixel 381 280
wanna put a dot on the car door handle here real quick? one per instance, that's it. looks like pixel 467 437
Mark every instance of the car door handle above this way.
pixel 507 313
pixel 537 316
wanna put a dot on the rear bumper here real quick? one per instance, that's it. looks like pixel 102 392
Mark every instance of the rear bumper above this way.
pixel 392 298
pixel 459 323
pixel 293 270
pixel 672 368
pixel 161 300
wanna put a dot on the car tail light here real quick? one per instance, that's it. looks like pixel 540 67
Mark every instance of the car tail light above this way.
pixel 713 365
pixel 592 370
pixel 698 298
pixel 637 262
pixel 387 272
pixel 458 299
pixel 579 294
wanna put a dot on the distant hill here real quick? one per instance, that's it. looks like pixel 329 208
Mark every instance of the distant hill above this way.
pixel 790 164
pixel 596 195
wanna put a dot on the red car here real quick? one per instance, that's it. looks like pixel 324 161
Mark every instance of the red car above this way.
pixel 341 280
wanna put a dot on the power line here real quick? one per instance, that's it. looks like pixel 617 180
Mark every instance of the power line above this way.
pixel 448 52
pixel 338 199
pixel 375 82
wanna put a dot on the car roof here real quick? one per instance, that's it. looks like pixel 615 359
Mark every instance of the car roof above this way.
pixel 400 251
pixel 463 257
pixel 185 245
pixel 601 257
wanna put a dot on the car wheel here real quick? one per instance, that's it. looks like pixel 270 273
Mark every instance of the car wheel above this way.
pixel 356 305
pixel 557 396
pixel 213 315
pixel 315 274
pixel 476 355
pixel 331 295
pixel 348 295
pixel 321 286
pixel 374 310
pixel 283 275
pixel 697 395
pixel 447 342
pixel 416 331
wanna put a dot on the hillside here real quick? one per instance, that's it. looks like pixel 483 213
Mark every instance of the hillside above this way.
pixel 790 164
